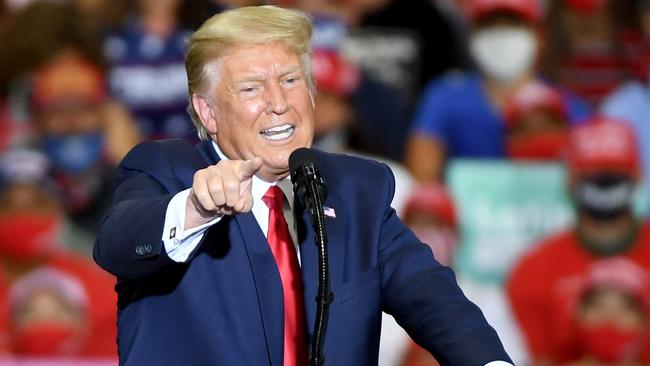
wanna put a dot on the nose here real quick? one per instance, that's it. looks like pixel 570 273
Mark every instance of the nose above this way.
pixel 276 100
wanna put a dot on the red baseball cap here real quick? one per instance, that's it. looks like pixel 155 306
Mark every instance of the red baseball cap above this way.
pixel 531 97
pixel 333 73
pixel 432 199
pixel 530 10
pixel 603 144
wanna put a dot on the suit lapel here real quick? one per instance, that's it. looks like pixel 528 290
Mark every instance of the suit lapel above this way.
pixel 335 228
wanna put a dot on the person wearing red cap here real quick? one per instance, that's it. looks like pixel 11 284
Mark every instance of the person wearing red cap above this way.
pixel 536 123
pixel 603 170
pixel 611 314
pixel 505 43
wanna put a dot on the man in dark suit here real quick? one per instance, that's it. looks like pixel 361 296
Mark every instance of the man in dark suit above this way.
pixel 215 269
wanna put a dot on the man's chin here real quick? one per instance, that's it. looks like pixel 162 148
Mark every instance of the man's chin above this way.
pixel 273 174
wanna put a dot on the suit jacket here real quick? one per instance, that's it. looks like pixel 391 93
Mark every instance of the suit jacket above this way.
pixel 224 306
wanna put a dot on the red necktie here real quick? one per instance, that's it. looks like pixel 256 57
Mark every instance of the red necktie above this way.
pixel 295 347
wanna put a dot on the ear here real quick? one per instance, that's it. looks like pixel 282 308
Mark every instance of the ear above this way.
pixel 204 110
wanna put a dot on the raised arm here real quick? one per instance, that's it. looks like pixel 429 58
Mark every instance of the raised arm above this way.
pixel 129 242
pixel 166 197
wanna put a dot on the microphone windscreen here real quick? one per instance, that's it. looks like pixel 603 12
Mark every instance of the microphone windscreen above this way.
pixel 299 157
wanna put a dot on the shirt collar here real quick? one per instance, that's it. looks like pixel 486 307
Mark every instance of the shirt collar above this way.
pixel 259 186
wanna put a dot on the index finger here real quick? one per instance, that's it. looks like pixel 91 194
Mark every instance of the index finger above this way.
pixel 248 168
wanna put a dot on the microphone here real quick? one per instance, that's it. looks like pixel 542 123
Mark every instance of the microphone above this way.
pixel 309 189
pixel 305 177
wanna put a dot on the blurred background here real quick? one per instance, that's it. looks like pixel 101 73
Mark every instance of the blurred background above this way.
pixel 518 132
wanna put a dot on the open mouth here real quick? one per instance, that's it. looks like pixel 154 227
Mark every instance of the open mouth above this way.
pixel 278 133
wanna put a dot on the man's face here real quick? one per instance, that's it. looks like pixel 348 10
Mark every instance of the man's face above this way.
pixel 261 106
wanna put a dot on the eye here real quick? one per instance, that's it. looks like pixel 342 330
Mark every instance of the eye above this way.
pixel 249 90
pixel 291 80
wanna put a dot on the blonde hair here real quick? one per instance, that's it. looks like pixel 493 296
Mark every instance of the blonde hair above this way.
pixel 246 25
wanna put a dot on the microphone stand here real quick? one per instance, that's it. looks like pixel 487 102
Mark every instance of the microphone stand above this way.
pixel 325 296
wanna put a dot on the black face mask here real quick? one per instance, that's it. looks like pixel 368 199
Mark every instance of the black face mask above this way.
pixel 604 196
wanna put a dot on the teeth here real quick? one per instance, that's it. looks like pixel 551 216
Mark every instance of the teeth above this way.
pixel 279 132
pixel 280 136
pixel 280 128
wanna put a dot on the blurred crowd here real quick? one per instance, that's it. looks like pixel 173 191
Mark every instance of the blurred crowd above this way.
pixel 418 84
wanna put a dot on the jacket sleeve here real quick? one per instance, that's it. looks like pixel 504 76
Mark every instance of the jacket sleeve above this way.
pixel 129 244
pixel 426 301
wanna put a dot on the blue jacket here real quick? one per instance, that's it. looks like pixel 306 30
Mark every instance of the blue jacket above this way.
pixel 224 306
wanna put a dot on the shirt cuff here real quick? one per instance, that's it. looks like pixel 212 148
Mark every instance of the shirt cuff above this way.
pixel 498 363
pixel 180 243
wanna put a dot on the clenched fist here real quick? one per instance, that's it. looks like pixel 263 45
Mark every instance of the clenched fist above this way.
pixel 221 189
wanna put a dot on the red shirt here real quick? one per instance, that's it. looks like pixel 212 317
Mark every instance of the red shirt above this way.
pixel 542 289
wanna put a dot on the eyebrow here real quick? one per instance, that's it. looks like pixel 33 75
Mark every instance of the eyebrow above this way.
pixel 259 77
pixel 291 70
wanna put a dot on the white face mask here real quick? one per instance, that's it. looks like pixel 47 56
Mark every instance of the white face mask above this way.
pixel 504 53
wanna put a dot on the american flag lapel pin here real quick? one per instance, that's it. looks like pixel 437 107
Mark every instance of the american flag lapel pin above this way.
pixel 329 211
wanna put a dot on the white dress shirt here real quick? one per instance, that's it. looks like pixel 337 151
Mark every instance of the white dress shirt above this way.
pixel 180 243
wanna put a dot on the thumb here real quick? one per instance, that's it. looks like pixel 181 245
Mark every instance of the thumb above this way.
pixel 248 168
